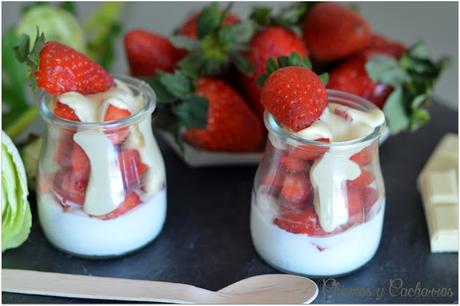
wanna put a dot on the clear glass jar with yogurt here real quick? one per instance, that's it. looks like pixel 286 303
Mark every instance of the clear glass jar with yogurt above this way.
pixel 318 198
pixel 101 184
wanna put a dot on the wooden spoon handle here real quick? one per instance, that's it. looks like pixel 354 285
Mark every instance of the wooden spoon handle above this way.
pixel 82 286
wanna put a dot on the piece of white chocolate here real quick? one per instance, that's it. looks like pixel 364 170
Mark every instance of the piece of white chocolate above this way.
pixel 438 184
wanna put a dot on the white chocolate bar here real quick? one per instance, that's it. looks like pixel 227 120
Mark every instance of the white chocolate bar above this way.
pixel 438 184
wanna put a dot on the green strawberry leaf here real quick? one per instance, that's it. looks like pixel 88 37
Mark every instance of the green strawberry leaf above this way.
pixel 386 70
pixel 419 50
pixel 261 15
pixel 395 113
pixel 284 61
pixel 324 78
pixel 162 94
pixel 209 20
pixel 419 117
pixel 192 112
pixel 241 62
pixel 178 84
pixel 242 31
pixel 184 42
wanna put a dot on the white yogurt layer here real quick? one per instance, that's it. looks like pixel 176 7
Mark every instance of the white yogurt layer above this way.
pixel 338 123
pixel 313 256
pixel 75 232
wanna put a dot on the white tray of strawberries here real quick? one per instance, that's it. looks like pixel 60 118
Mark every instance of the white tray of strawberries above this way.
pixel 205 75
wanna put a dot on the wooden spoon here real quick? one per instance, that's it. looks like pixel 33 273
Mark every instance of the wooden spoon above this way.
pixel 261 289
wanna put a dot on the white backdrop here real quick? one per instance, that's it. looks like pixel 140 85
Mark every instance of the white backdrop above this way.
pixel 434 22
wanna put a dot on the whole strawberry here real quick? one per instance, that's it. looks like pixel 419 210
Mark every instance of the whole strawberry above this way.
pixel 351 76
pixel 293 94
pixel 58 69
pixel 231 125
pixel 332 31
pixel 400 82
pixel 271 42
pixel 148 52
pixel 190 27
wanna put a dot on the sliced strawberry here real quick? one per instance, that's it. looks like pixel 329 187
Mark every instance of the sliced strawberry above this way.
pixel 293 165
pixel 64 149
pixel 363 157
pixel 360 202
pixel 370 197
pixel 131 201
pixel 305 222
pixel 363 180
pixel 65 112
pixel 132 168
pixel 80 163
pixel 308 152
pixel 296 188
pixel 114 113
pixel 273 182
pixel 70 187
pixel 288 208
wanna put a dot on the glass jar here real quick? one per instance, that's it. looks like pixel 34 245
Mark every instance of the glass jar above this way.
pixel 306 216
pixel 101 185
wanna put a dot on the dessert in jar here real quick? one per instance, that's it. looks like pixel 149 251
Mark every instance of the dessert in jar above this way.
pixel 318 199
pixel 101 178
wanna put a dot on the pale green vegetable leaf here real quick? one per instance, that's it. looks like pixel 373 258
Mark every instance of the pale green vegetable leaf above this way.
pixel 16 214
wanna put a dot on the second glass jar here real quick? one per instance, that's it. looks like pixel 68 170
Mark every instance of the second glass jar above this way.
pixel 325 229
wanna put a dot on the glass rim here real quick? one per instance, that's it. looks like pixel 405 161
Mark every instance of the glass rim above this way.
pixel 141 86
pixel 334 95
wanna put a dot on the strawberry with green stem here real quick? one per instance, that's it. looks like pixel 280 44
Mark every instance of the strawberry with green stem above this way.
pixel 218 44
pixel 190 26
pixel 398 83
pixel 292 93
pixel 206 112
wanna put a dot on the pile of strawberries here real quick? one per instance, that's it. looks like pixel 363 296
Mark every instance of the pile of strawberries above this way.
pixel 57 69
pixel 335 37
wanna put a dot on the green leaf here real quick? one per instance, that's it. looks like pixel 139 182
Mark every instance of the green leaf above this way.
pixel 261 15
pixel 184 42
pixel 418 118
pixel 395 112
pixel 189 66
pixel 295 59
pixel 419 50
pixel 242 31
pixel 261 80
pixel 242 63
pixel 324 78
pixel 162 94
pixel 386 70
pixel 192 112
pixel 176 83
pixel 209 20
pixel 419 100
pixel 271 66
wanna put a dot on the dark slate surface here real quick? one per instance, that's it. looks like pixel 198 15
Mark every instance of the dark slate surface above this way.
pixel 206 240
